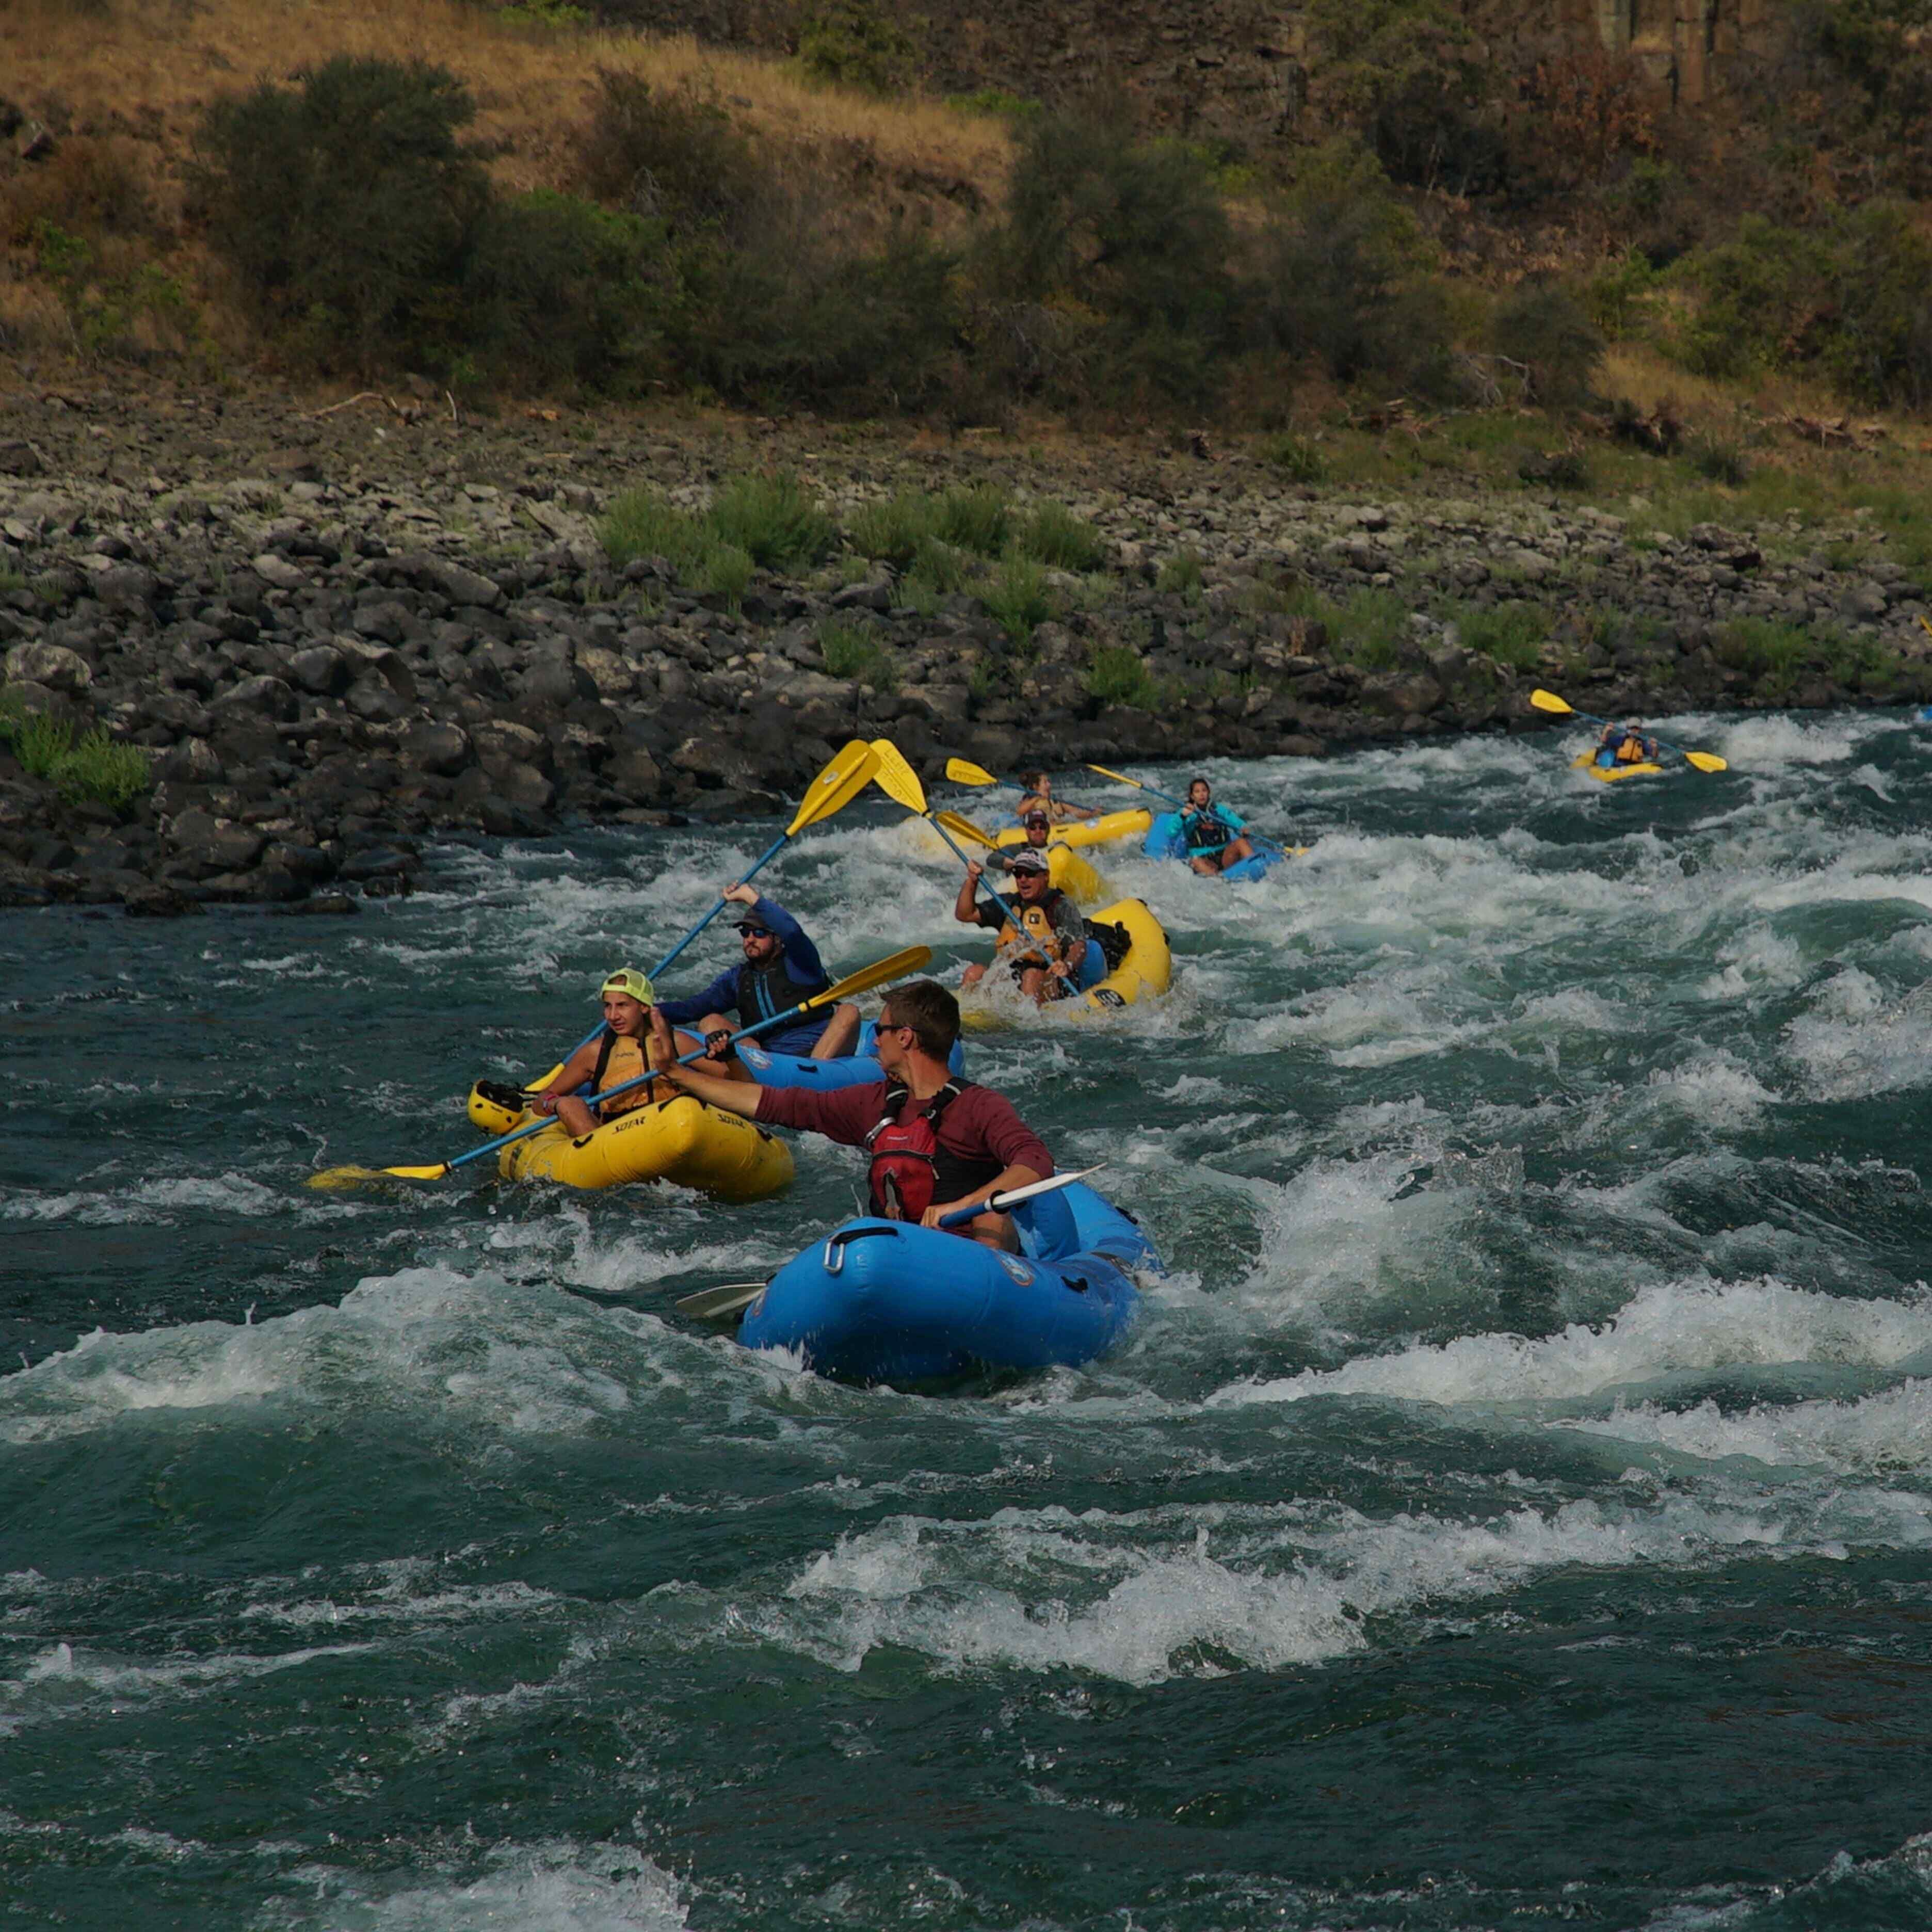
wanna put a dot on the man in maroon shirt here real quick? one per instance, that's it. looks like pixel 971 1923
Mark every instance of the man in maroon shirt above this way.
pixel 937 1143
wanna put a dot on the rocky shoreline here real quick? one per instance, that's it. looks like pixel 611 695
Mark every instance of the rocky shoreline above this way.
pixel 341 633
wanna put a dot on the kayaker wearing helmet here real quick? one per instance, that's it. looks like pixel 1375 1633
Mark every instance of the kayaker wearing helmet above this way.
pixel 1625 745
pixel 1042 937
pixel 1039 830
pixel 607 1060
pixel 1037 789
pixel 936 1144
pixel 781 966
pixel 1213 834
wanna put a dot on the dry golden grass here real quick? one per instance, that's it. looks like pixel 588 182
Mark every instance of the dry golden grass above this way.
pixel 149 66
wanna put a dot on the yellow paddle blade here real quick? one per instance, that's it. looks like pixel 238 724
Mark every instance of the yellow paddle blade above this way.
pixel 1119 778
pixel 342 1177
pixel 435 1173
pixel 913 959
pixel 848 774
pixel 963 771
pixel 1548 700
pixel 1706 761
pixel 895 777
pixel 961 826
pixel 1927 623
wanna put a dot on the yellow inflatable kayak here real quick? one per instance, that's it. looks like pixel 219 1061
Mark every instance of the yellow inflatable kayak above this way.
pixel 1145 973
pixel 682 1141
pixel 1609 774
pixel 1089 831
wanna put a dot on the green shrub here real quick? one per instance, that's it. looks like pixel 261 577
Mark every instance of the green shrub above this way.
pixel 1117 675
pixel 1017 597
pixel 856 43
pixel 1721 461
pixel 893 531
pixel 978 518
pixel 775 519
pixel 937 571
pixel 998 103
pixel 1772 652
pixel 1618 297
pixel 1053 535
pixel 347 206
pixel 641 522
pixel 849 651
pixel 1511 633
pixel 785 314
pixel 672 154
pixel 1345 280
pixel 11 580
pixel 1181 575
pixel 117 313
pixel 1295 456
pixel 1542 325
pixel 96 770
pixel 559 291
pixel 1132 235
pixel 1371 626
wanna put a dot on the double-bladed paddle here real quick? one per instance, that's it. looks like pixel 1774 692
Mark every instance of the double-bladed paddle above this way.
pixel 732 1297
pixel 900 783
pixel 1703 761
pixel 911 959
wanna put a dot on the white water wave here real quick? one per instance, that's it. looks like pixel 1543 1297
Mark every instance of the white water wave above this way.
pixel 1665 1329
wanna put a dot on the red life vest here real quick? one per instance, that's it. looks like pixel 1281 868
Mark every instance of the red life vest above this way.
pixel 908 1164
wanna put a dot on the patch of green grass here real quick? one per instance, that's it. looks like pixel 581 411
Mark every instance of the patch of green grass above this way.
pixel 726 571
pixel 850 651
pixel 1117 675
pixel 1053 535
pixel 1772 652
pixel 1511 633
pixel 892 531
pixel 1181 575
pixel 1017 597
pixel 642 523
pixel 978 518
pixel 1296 457
pixel 11 580
pixel 774 520
pixel 1370 626
pixel 96 770
pixel 1720 461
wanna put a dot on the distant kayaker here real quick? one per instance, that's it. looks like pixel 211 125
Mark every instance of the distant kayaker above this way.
pixel 936 1143
pixel 1625 744
pixel 1042 937
pixel 1039 830
pixel 608 1059
pixel 1037 790
pixel 1213 833
pixel 781 966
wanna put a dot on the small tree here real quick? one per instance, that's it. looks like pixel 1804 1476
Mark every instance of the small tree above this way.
pixel 346 205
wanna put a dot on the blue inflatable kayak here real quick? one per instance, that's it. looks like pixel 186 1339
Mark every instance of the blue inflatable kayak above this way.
pixel 858 1069
pixel 888 1301
pixel 1164 841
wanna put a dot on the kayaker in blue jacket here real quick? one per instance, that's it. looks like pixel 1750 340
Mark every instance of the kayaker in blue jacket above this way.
pixel 1626 745
pixel 1212 833
pixel 781 966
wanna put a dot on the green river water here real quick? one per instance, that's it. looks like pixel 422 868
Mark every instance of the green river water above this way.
pixel 1514 1507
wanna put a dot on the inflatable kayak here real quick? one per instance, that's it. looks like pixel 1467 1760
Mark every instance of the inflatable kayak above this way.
pixel 1088 831
pixel 886 1301
pixel 859 1068
pixel 1165 841
pixel 682 1141
pixel 1144 969
pixel 1609 774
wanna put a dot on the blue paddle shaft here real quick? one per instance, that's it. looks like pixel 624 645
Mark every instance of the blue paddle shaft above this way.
pixel 1662 744
pixel 771 852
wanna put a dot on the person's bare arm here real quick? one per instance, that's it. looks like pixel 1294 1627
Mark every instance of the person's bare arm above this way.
pixel 731 1096
pixel 577 1068
pixel 966 907
pixel 1017 1175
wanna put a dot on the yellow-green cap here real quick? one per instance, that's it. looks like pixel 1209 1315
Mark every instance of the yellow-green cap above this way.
pixel 627 979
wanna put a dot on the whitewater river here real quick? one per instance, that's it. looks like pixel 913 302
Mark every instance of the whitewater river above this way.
pixel 1515 1507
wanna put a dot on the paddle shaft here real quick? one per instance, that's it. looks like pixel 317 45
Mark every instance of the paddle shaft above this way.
pixel 998 1204
pixel 770 853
